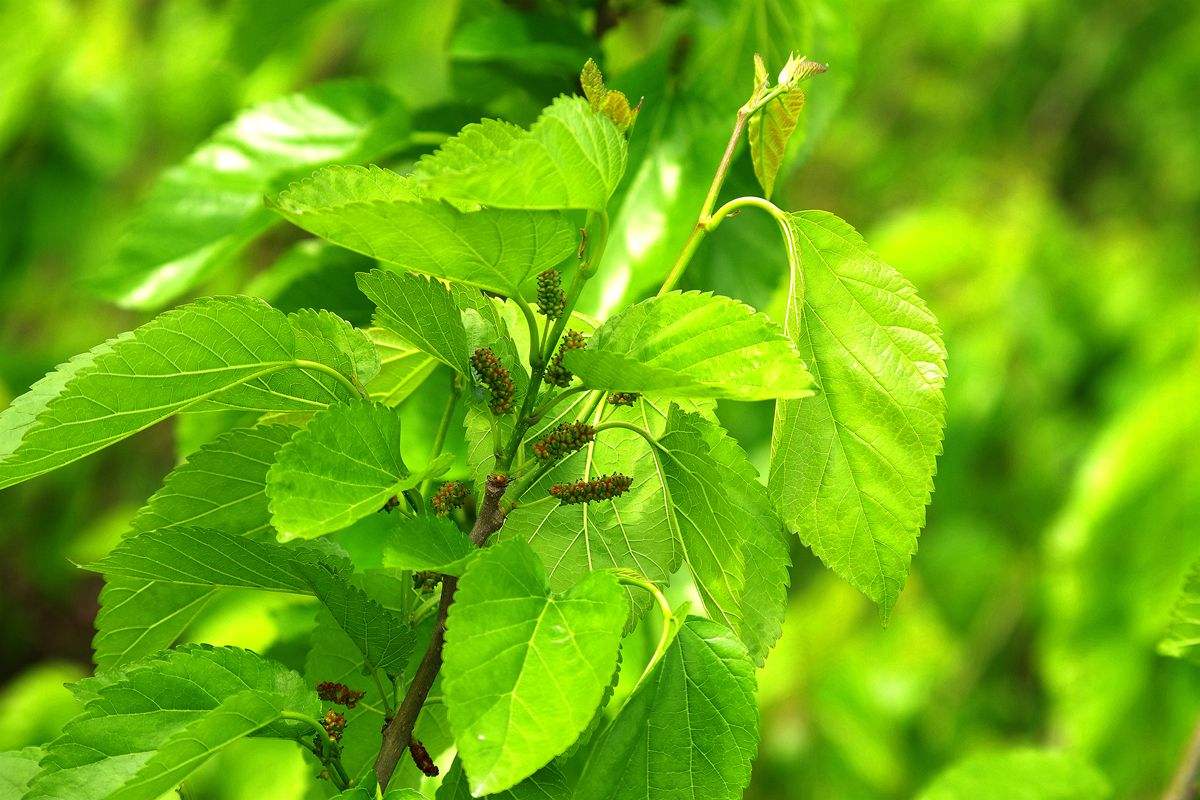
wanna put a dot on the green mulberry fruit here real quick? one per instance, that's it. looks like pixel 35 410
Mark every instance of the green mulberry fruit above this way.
pixel 550 298
pixel 556 373
pixel 496 378
pixel 563 440
pixel 605 487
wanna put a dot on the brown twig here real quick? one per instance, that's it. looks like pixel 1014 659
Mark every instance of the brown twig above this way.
pixel 1183 785
pixel 398 734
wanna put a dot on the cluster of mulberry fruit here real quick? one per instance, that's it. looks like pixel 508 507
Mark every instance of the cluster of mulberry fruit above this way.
pixel 339 693
pixel 605 487
pixel 556 373
pixel 334 723
pixel 452 495
pixel 622 398
pixel 496 378
pixel 563 440
pixel 550 298
pixel 426 581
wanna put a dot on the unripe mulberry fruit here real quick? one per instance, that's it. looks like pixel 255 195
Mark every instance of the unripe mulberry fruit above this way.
pixel 605 487
pixel 334 723
pixel 496 378
pixel 452 495
pixel 563 440
pixel 556 373
pixel 622 398
pixel 550 298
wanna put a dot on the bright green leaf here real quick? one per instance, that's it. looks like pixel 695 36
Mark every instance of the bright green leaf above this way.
pixel 217 353
pixel 571 157
pixel 1021 774
pixel 422 312
pixel 547 783
pixel 384 639
pixel 175 241
pixel 237 717
pixel 1182 639
pixel 219 487
pixel 131 714
pixel 732 540
pixel 426 543
pixel 525 669
pixel 383 215
pixel 345 465
pixel 852 469
pixel 692 344
pixel 690 730
pixel 17 768
pixel 402 368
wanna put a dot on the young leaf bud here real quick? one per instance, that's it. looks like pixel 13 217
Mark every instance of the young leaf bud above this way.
pixel 339 693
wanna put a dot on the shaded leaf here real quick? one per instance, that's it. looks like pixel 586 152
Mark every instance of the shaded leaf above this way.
pixel 384 639
pixel 426 543
pixel 402 368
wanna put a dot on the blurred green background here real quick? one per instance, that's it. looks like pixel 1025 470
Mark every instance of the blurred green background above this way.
pixel 1032 166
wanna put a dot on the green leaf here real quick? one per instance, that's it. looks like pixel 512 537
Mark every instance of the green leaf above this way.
pixel 139 617
pixel 422 312
pixel 689 730
pixel 571 157
pixel 732 540
pixel 202 557
pixel 635 530
pixel 222 486
pixel 131 714
pixel 547 783
pixel 1024 772
pixel 175 241
pixel 345 465
pixel 237 717
pixel 692 344
pixel 852 469
pixel 315 274
pixel 384 639
pixel 403 368
pixel 769 131
pixel 325 326
pixel 427 543
pixel 1182 639
pixel 219 487
pixel 525 669
pixel 217 353
pixel 17 768
pixel 384 215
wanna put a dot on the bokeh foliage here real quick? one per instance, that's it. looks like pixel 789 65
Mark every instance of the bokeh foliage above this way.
pixel 1031 166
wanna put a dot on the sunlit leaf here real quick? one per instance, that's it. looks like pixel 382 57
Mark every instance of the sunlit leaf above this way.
pixel 692 344
pixel 852 468
pixel 690 730
pixel 525 669
pixel 1024 773
pixel 203 211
